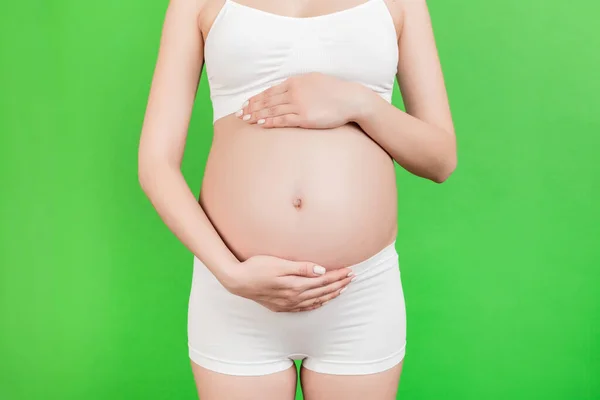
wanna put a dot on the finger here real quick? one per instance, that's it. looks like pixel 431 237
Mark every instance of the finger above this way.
pixel 322 298
pixel 304 269
pixel 282 121
pixel 307 308
pixel 276 89
pixel 271 112
pixel 245 113
pixel 268 102
pixel 264 107
pixel 312 307
pixel 272 96
pixel 334 287
pixel 327 279
pixel 256 104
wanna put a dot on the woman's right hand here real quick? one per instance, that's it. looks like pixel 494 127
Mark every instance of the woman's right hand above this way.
pixel 286 286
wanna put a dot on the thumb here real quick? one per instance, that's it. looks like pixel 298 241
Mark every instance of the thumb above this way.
pixel 307 269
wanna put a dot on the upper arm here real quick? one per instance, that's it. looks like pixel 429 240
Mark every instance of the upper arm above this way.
pixel 420 75
pixel 174 83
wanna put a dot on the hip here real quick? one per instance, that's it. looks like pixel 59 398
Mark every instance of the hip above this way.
pixel 361 331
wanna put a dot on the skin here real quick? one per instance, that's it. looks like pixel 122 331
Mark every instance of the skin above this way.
pixel 253 237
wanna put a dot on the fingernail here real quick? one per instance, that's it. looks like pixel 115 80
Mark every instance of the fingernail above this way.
pixel 246 117
pixel 353 279
pixel 245 104
pixel 317 269
pixel 239 113
pixel 350 273
pixel 260 121
pixel 343 290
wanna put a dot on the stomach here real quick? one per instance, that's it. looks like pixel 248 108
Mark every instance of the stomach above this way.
pixel 324 196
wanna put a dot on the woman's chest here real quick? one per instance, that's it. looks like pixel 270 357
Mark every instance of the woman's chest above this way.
pixel 248 45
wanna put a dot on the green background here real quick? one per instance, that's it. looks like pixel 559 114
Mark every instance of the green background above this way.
pixel 500 264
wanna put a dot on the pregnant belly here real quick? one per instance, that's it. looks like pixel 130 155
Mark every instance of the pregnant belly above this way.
pixel 326 196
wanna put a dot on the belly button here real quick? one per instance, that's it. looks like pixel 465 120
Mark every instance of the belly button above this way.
pixel 297 203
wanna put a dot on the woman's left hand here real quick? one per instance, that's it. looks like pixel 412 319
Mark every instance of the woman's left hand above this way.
pixel 311 101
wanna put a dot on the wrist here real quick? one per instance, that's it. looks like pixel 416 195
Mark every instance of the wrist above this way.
pixel 225 270
pixel 362 103
pixel 229 276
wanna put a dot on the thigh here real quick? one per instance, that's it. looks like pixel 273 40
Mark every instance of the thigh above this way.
pixel 379 386
pixel 216 386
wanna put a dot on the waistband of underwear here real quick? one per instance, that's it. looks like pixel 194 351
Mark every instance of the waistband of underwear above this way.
pixel 384 255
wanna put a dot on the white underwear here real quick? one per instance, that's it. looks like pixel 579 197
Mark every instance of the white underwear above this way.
pixel 363 331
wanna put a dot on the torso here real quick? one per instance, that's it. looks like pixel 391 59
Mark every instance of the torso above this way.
pixel 326 196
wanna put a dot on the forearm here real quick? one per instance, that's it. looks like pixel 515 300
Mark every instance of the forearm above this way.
pixel 421 148
pixel 170 195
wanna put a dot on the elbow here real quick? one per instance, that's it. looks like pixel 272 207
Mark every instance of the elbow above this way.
pixel 444 170
pixel 441 177
pixel 142 180
pixel 143 176
pixel 146 171
pixel 154 170
pixel 142 169
pixel 447 161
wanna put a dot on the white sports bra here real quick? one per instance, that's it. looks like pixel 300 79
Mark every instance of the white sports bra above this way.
pixel 249 50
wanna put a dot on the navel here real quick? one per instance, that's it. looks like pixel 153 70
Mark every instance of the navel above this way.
pixel 297 203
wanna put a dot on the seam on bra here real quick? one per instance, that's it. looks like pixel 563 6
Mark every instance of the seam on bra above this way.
pixel 218 17
pixel 338 13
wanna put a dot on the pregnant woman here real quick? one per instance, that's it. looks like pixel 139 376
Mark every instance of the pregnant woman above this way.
pixel 294 233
